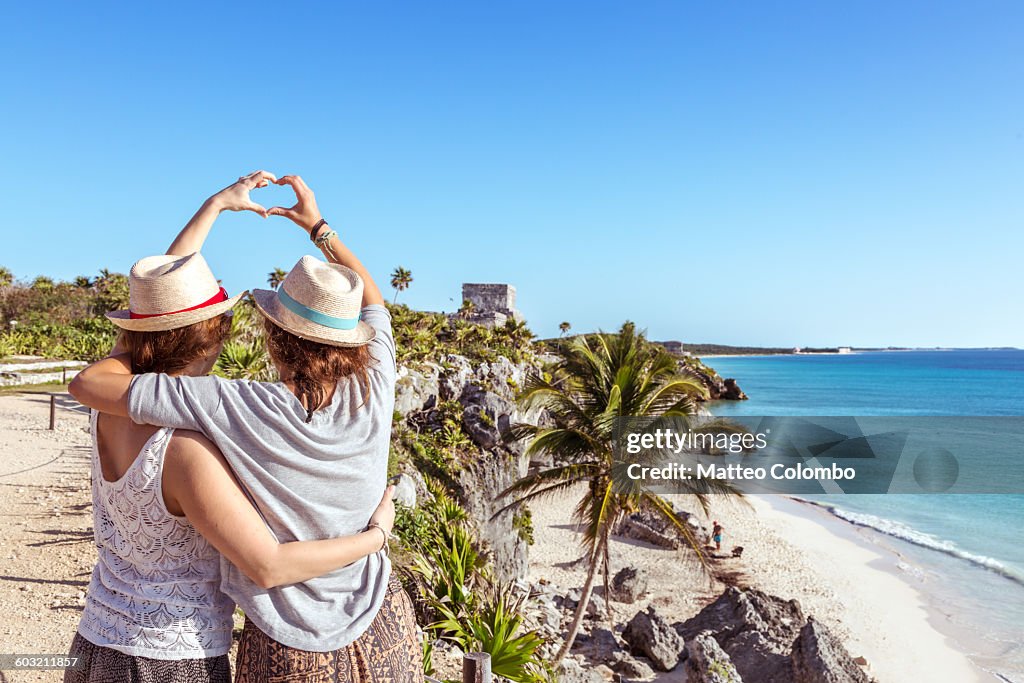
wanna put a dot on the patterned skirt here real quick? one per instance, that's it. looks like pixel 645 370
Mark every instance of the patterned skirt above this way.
pixel 104 665
pixel 389 652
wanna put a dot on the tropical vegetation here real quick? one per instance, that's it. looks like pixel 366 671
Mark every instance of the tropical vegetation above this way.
pixel 60 319
pixel 456 596
pixel 424 336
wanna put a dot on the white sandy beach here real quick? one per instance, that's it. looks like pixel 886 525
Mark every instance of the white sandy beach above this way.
pixel 790 550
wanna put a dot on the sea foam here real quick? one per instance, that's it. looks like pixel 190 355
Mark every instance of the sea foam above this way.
pixel 906 533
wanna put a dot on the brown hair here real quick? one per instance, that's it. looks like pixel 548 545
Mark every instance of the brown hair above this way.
pixel 315 366
pixel 172 351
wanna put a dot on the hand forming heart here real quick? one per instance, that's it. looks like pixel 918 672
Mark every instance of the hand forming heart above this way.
pixel 304 212
pixel 235 197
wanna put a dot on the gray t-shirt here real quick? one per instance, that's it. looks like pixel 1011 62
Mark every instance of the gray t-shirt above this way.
pixel 309 481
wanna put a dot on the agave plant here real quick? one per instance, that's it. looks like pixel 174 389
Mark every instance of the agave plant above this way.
pixel 243 360
pixel 462 603
pixel 492 623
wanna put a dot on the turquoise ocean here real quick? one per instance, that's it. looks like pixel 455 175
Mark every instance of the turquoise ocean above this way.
pixel 965 553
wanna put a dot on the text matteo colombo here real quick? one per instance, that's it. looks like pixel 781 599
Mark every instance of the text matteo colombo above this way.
pixel 675 442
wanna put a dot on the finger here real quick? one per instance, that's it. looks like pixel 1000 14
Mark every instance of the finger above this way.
pixel 299 187
pixel 253 206
pixel 281 211
pixel 256 179
pixel 264 177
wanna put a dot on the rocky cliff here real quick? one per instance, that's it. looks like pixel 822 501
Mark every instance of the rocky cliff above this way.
pixel 482 398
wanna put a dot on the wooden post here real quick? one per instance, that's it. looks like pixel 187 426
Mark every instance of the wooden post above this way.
pixel 476 667
pixel 63 375
pixel 53 412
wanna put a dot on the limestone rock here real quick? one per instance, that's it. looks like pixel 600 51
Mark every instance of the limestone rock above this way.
pixel 650 527
pixel 717 387
pixel 405 490
pixel 819 657
pixel 629 585
pixel 732 391
pixel 416 390
pixel 482 479
pixel 486 417
pixel 599 645
pixel 706 662
pixel 572 671
pixel 755 629
pixel 631 667
pixel 456 372
pixel 648 634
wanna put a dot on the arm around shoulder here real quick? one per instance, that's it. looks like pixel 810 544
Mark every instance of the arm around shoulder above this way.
pixel 104 385
pixel 199 482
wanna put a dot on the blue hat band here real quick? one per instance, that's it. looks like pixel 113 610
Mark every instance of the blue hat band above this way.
pixel 315 316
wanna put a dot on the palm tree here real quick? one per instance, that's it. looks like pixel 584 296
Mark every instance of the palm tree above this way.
pixel 276 277
pixel 83 281
pixel 467 309
pixel 519 333
pixel 6 277
pixel 602 378
pixel 564 328
pixel 400 280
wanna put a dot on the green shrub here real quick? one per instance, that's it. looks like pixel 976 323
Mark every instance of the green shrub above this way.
pixel 522 522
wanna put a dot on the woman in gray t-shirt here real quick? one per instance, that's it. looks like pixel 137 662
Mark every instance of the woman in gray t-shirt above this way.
pixel 312 452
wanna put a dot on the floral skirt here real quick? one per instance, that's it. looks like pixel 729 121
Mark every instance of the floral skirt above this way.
pixel 104 665
pixel 389 652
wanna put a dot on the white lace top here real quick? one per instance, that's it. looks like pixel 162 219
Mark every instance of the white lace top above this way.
pixel 155 591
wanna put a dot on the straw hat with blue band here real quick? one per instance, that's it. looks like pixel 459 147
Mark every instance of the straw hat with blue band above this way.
pixel 318 301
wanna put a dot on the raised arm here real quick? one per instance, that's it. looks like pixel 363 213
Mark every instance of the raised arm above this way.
pixel 306 215
pixel 198 482
pixel 234 197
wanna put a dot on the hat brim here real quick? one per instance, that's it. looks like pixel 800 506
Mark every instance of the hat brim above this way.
pixel 271 307
pixel 161 323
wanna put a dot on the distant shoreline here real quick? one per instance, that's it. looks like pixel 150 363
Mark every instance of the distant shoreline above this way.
pixel 768 353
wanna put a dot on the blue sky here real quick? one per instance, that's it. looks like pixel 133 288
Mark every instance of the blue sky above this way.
pixel 799 173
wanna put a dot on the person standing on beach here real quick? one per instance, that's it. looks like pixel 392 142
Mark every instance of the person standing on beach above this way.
pixel 716 535
pixel 165 503
pixel 310 449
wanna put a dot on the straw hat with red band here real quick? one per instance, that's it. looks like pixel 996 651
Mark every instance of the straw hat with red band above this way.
pixel 168 292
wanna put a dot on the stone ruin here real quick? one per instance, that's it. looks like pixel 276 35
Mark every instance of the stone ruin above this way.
pixel 491 305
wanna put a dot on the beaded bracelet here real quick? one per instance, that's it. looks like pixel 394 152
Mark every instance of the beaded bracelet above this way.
pixel 323 239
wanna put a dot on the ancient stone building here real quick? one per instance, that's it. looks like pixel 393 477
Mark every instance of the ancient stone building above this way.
pixel 491 304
